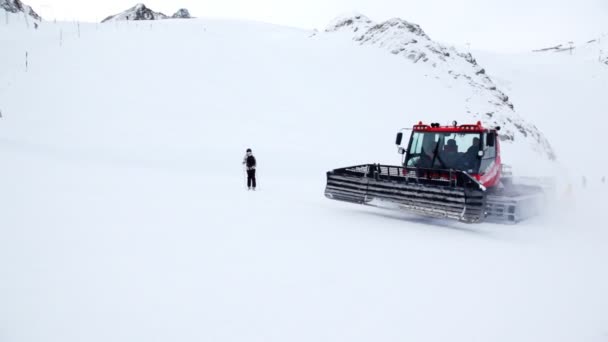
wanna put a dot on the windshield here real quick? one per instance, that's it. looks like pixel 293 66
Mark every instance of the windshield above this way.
pixel 458 151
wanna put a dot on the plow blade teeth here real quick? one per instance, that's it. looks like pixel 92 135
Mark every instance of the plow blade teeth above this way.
pixel 515 204
pixel 388 186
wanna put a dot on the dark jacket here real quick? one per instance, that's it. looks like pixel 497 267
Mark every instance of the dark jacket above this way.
pixel 249 162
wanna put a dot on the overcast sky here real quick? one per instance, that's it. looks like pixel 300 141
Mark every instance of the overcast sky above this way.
pixel 505 25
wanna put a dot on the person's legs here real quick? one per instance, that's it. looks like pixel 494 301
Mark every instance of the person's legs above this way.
pixel 249 178
pixel 253 178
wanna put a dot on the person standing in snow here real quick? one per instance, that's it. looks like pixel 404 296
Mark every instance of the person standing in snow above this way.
pixel 250 164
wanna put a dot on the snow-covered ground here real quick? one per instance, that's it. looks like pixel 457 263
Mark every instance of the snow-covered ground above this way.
pixel 123 215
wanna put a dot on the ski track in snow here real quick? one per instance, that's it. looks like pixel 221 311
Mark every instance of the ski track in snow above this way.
pixel 124 214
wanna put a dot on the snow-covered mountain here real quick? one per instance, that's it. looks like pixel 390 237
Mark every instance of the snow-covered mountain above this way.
pixel 141 12
pixel 137 12
pixel 487 103
pixel 16 6
pixel 182 13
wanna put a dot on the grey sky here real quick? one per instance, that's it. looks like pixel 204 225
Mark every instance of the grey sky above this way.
pixel 485 24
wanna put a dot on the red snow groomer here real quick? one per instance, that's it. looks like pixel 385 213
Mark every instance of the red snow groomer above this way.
pixel 448 171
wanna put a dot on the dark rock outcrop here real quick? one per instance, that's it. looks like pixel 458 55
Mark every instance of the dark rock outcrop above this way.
pixel 182 13
pixel 137 12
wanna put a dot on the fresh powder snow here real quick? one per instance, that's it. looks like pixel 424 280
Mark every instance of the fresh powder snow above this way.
pixel 124 214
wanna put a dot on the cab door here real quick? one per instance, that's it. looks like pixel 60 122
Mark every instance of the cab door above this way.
pixel 489 169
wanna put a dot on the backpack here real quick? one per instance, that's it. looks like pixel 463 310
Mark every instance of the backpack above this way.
pixel 250 162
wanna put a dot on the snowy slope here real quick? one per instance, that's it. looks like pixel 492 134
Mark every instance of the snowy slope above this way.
pixel 485 102
pixel 124 215
pixel 589 50
pixel 565 93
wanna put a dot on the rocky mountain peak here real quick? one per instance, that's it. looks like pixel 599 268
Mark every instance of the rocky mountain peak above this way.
pixel 16 6
pixel 141 12
pixel 137 12
pixel 182 13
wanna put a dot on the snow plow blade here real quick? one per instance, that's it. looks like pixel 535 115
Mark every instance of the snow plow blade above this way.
pixel 515 203
pixel 437 193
